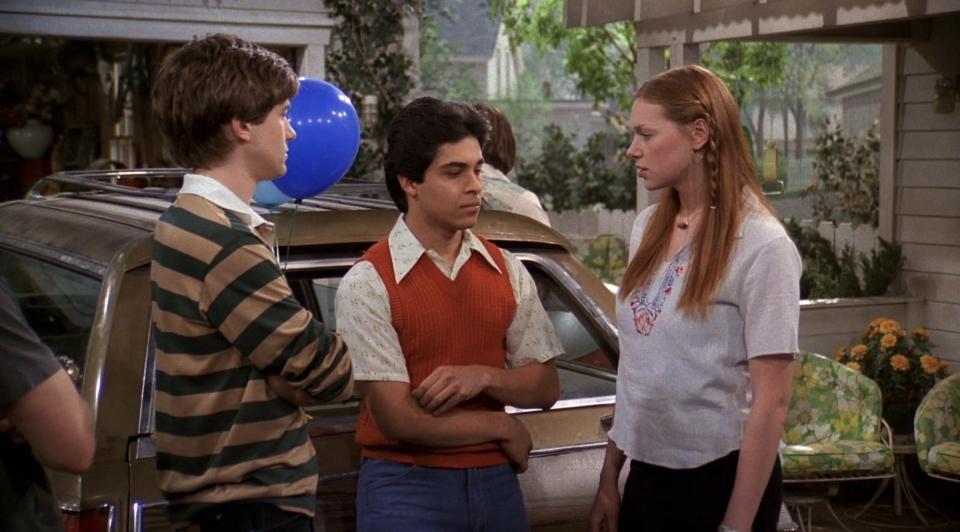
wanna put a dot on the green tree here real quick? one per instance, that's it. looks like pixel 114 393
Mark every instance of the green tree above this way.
pixel 804 83
pixel 749 69
pixel 602 60
pixel 746 67
pixel 567 178
pixel 367 60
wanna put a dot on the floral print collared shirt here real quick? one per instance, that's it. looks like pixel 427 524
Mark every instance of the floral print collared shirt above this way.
pixel 364 318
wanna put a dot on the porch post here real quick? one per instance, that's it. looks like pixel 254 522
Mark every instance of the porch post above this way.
pixel 684 54
pixel 650 62
pixel 888 140
pixel 312 60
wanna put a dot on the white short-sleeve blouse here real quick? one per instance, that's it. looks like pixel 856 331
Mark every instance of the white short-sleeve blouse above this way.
pixel 682 387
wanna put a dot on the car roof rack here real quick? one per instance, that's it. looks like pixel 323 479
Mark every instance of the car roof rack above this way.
pixel 105 181
pixel 346 194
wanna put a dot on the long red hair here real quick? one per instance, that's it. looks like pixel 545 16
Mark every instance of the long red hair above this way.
pixel 686 94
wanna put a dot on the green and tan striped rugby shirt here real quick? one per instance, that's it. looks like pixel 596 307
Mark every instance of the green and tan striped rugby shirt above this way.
pixel 225 317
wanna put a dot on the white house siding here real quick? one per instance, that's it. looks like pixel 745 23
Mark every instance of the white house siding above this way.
pixel 927 215
pixel 502 68
pixel 826 325
pixel 861 110
pixel 301 24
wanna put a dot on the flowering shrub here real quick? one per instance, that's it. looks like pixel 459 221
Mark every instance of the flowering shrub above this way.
pixel 899 363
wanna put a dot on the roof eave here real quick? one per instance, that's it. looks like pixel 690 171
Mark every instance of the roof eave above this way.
pixel 664 23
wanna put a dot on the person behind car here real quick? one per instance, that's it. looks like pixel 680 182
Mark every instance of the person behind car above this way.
pixel 445 329
pixel 708 316
pixel 499 156
pixel 236 353
pixel 43 423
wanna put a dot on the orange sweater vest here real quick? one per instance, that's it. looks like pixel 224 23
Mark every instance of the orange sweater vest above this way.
pixel 443 322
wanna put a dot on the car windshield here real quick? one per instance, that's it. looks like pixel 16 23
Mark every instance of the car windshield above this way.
pixel 58 303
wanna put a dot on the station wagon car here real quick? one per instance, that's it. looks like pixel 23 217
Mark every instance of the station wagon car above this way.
pixel 76 252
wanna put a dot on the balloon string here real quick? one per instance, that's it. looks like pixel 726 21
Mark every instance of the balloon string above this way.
pixel 293 222
pixel 276 247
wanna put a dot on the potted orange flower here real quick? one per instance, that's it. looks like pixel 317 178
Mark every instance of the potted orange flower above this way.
pixel 901 364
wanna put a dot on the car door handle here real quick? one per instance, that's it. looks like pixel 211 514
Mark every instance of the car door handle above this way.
pixel 606 422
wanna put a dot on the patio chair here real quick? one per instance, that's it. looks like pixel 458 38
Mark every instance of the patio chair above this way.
pixel 937 430
pixel 834 432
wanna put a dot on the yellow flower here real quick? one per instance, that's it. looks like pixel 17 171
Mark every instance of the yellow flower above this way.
pixel 876 322
pixel 838 354
pixel 920 331
pixel 900 362
pixel 855 366
pixel 929 363
pixel 889 326
pixel 889 340
pixel 857 351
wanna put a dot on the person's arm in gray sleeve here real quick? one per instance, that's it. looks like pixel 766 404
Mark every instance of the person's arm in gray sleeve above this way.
pixel 57 423
pixel 38 399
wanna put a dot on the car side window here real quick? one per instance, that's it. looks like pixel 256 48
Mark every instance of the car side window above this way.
pixel 325 290
pixel 581 351
pixel 58 303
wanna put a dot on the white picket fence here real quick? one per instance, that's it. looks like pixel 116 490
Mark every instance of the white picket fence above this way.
pixel 583 225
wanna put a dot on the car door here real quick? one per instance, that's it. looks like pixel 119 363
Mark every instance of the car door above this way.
pixel 568 439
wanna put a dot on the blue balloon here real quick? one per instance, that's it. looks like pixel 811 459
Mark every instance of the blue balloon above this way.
pixel 268 195
pixel 328 137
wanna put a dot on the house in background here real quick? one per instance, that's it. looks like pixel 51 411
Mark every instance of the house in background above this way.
pixel 480 48
pixel 919 128
pixel 856 100
pixel 477 46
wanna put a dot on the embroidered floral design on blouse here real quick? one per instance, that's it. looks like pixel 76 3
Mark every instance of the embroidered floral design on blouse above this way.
pixel 645 309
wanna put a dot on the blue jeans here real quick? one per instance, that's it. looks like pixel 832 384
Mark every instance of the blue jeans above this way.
pixel 392 497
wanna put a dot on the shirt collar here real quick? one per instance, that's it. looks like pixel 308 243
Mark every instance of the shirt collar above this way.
pixel 406 250
pixel 215 192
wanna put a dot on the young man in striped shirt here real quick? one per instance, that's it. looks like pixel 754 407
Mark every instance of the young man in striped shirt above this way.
pixel 236 353
pixel 445 329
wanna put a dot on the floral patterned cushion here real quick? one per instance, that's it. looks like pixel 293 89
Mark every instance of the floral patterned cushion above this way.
pixel 831 402
pixel 937 428
pixel 835 457
pixel 945 459
pixel 833 423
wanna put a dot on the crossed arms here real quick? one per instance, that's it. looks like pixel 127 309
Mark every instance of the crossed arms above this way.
pixel 304 361
pixel 429 416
